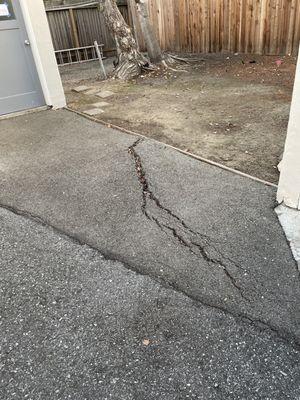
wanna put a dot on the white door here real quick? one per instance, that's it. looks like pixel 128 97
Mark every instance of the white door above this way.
pixel 20 87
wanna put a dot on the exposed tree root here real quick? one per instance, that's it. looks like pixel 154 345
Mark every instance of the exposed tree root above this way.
pixel 130 65
pixel 185 60
pixel 165 64
pixel 130 60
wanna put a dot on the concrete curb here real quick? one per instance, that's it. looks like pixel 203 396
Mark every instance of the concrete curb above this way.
pixel 173 147
pixel 289 218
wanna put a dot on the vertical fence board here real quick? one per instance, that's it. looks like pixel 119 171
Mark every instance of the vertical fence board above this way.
pixel 296 40
pixel 291 27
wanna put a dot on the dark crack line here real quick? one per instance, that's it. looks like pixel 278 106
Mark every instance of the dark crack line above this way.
pixel 148 193
pixel 207 258
pixel 262 326
pixel 219 263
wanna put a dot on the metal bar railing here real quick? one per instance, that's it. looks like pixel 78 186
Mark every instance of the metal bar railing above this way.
pixel 78 55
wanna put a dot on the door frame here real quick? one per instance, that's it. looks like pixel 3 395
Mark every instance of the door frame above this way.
pixel 36 24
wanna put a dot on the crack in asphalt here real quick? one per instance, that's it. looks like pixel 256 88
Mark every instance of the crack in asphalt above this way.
pixel 197 249
pixel 262 326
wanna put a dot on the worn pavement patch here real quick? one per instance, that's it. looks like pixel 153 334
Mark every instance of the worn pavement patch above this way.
pixel 76 325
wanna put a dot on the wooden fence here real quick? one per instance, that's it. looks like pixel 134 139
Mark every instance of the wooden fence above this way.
pixel 198 26
pixel 246 26
pixel 74 26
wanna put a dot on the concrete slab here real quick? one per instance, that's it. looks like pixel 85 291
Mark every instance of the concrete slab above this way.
pixel 105 94
pixel 92 91
pixel 82 88
pixel 100 104
pixel 94 111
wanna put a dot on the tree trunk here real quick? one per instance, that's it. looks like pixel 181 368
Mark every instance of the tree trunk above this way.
pixel 130 60
pixel 134 21
pixel 152 44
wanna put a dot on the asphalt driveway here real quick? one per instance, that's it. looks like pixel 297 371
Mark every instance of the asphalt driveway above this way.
pixel 131 271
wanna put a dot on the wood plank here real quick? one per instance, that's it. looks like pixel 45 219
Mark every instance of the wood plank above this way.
pixel 297 31
pixel 291 27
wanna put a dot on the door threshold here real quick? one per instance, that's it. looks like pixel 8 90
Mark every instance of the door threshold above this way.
pixel 23 112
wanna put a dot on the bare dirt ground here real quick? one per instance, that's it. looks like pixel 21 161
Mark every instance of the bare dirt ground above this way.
pixel 232 109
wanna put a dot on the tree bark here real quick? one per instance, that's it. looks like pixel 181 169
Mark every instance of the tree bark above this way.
pixel 152 44
pixel 130 60
pixel 134 21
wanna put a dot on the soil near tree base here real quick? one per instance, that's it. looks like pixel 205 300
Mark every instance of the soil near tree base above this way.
pixel 232 109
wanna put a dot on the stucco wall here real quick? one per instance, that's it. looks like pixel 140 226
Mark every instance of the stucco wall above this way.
pixel 289 183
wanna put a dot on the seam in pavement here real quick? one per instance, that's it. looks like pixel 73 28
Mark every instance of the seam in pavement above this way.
pixel 191 155
pixel 262 326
